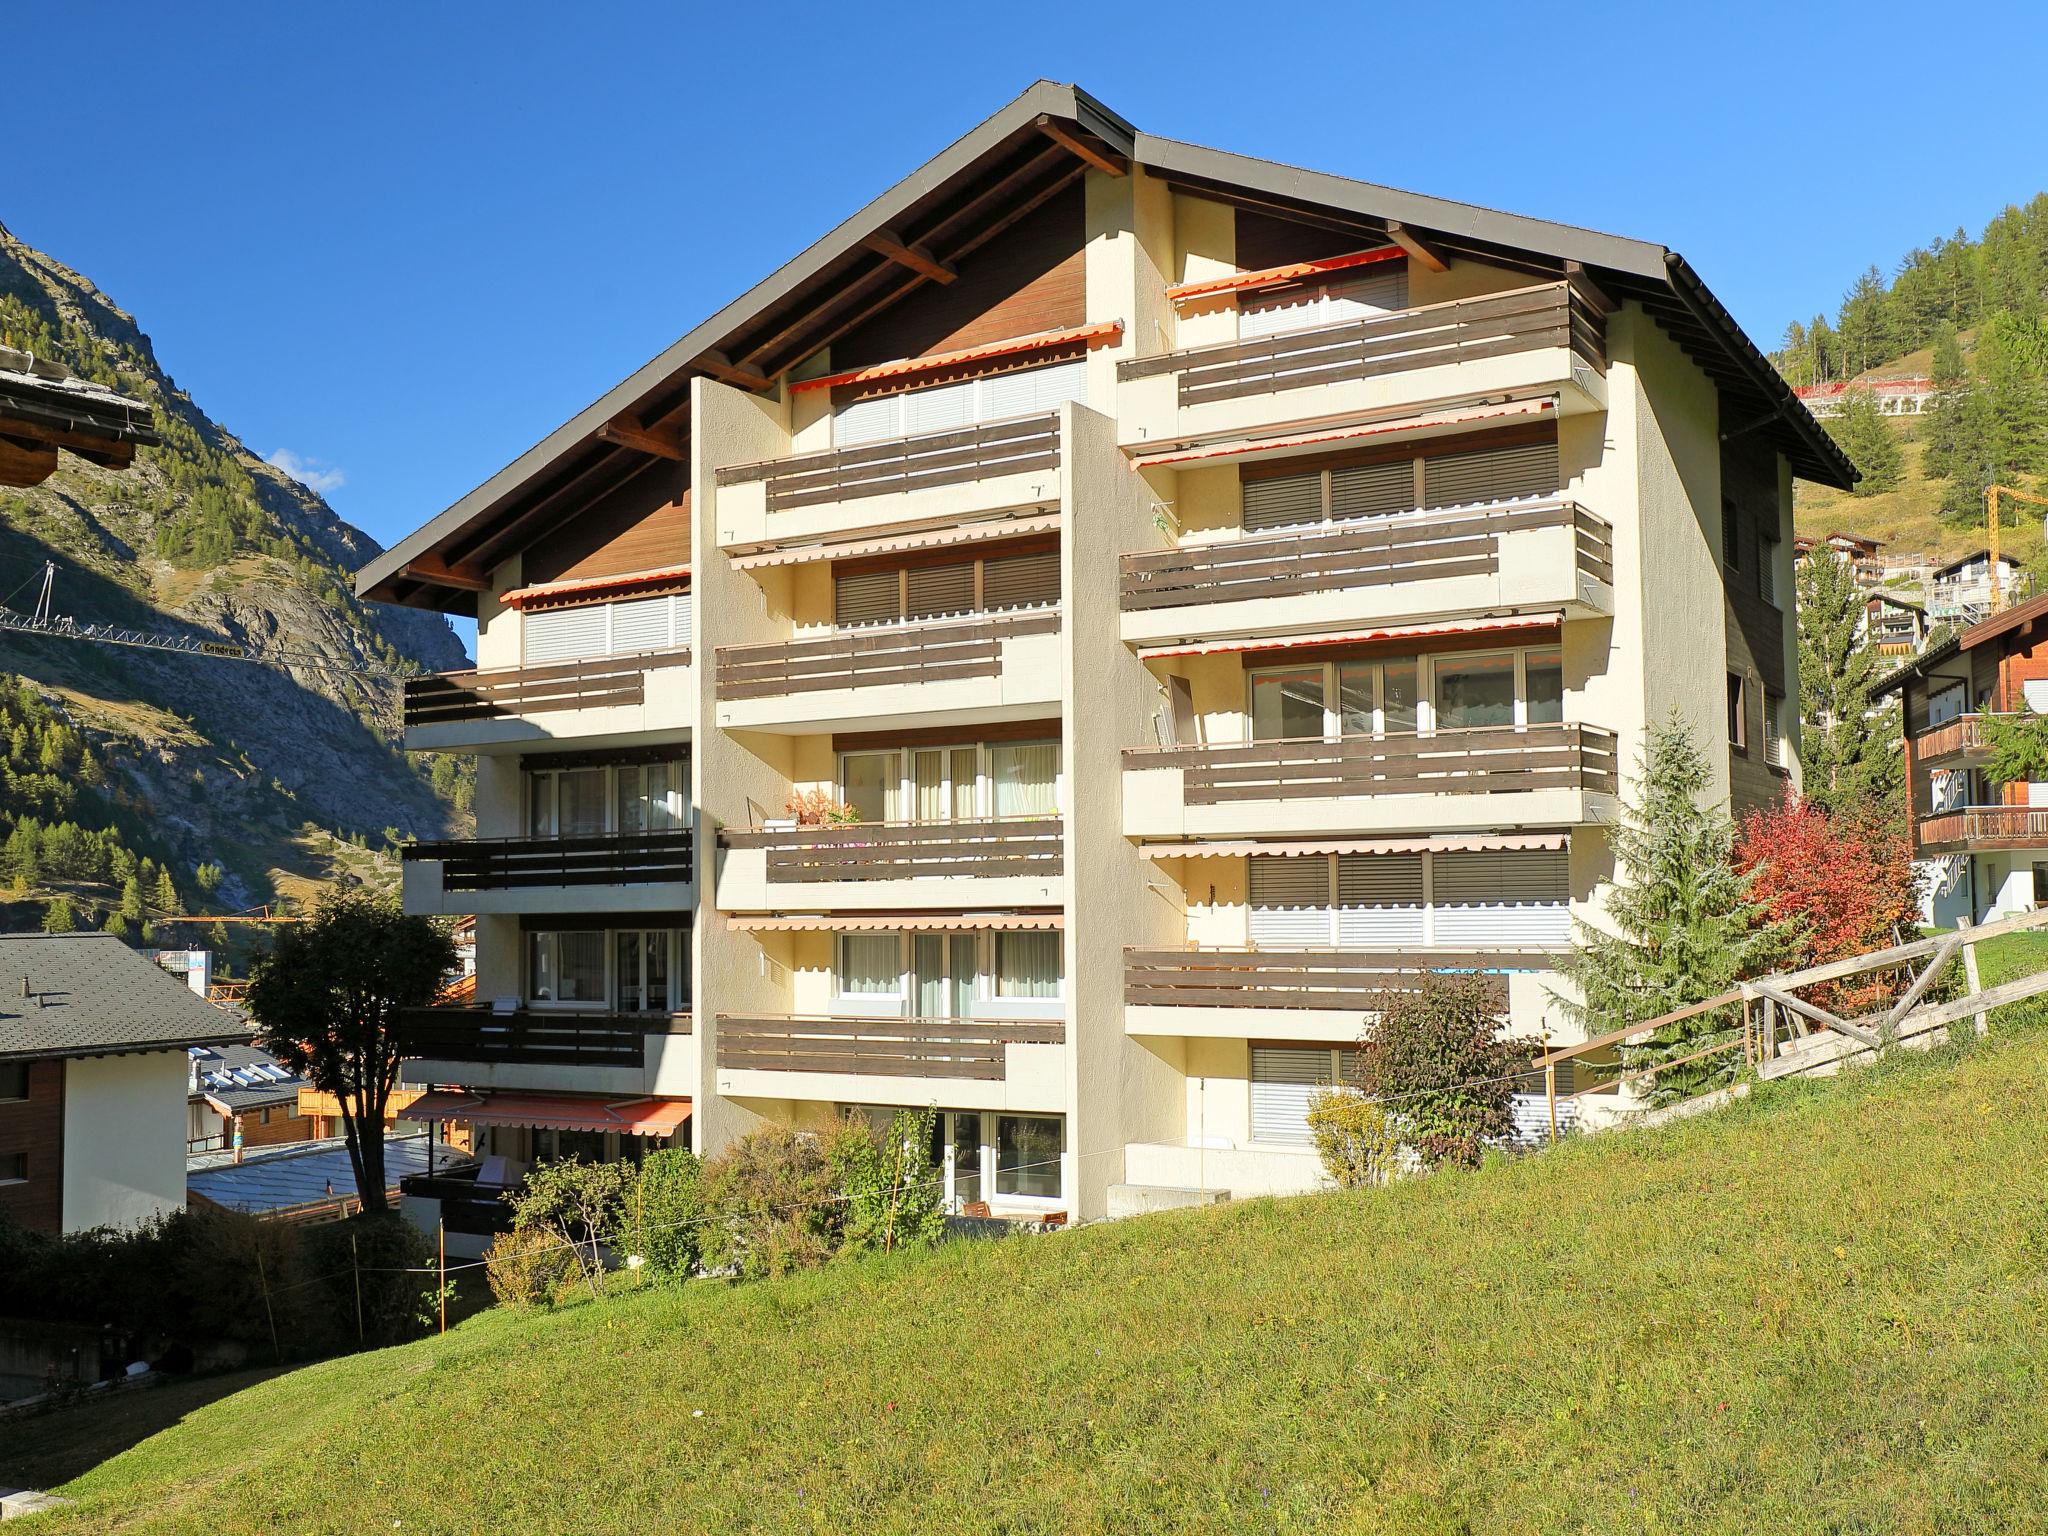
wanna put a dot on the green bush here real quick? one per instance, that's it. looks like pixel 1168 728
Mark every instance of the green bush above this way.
pixel 1355 1138
pixel 770 1205
pixel 580 1205
pixel 526 1268
pixel 668 1213
pixel 891 1189
pixel 1438 1065
pixel 390 1258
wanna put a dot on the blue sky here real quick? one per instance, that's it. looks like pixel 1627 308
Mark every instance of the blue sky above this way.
pixel 402 242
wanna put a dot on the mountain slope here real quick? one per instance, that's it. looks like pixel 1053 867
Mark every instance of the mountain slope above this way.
pixel 269 770
pixel 1818 1310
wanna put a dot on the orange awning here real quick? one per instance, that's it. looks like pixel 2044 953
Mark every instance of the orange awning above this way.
pixel 552 1111
pixel 1093 335
pixel 1240 447
pixel 1476 843
pixel 889 544
pixel 918 922
pixel 1295 271
pixel 591 586
pixel 1548 619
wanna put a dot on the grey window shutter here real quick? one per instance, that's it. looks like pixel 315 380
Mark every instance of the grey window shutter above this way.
pixel 937 590
pixel 1501 899
pixel 1373 490
pixel 1279 500
pixel 1359 298
pixel 871 597
pixel 1290 902
pixel 1490 474
pixel 1284 1080
pixel 1021 581
pixel 1379 900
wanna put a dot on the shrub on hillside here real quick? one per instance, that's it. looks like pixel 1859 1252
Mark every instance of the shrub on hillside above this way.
pixel 668 1213
pixel 376 1261
pixel 526 1268
pixel 1355 1137
pixel 770 1205
pixel 1437 1064
pixel 892 1194
pixel 580 1205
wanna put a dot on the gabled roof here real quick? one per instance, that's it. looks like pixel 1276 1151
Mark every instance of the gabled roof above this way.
pixel 89 994
pixel 2025 624
pixel 1976 554
pixel 1012 163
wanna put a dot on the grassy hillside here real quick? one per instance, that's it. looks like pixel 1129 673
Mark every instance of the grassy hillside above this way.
pixel 1822 1309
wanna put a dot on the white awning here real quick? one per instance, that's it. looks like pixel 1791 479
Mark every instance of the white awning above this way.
pixel 1548 618
pixel 1327 436
pixel 869 541
pixel 915 922
pixel 1480 842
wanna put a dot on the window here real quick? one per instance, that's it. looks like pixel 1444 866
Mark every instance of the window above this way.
pixel 1546 687
pixel 1774 730
pixel 13 1167
pixel 1767 568
pixel 1028 1155
pixel 649 797
pixel 1332 302
pixel 1397 902
pixel 641 964
pixel 1483 475
pixel 605 629
pixel 566 967
pixel 870 965
pixel 1027 965
pixel 1738 712
pixel 1475 690
pixel 593 799
pixel 265 1119
pixel 1287 703
pixel 1285 1079
pixel 940 784
pixel 566 802
pixel 995 584
pixel 941 407
pixel 13 1080
pixel 1731 536
pixel 870 782
pixel 1024 777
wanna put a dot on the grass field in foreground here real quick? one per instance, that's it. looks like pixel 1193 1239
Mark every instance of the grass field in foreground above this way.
pixel 1821 1309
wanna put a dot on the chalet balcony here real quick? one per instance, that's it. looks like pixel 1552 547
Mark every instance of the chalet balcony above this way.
pixel 956 473
pixel 1962 737
pixel 615 871
pixel 1529 556
pixel 1452 780
pixel 1547 338
pixel 939 672
pixel 855 866
pixel 983 1063
pixel 535 1048
pixel 625 696
pixel 1304 994
pixel 1983 829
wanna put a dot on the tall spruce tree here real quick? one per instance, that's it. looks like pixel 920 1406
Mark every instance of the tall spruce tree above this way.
pixel 1848 749
pixel 1948 427
pixel 1681 924
pixel 1863 433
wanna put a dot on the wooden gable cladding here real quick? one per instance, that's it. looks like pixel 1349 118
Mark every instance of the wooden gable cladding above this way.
pixel 35 1126
pixel 1265 240
pixel 1030 278
pixel 643 525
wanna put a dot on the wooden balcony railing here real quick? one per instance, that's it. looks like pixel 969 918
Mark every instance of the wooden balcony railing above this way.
pixel 514 863
pixel 1986 826
pixel 905 463
pixel 1303 978
pixel 534 1036
pixel 1964 733
pixel 893 850
pixel 1364 552
pixel 869 658
pixel 1462 330
pixel 963 1048
pixel 1474 761
pixel 447 698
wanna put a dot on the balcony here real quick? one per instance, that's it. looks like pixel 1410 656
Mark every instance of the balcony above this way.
pixel 1539 339
pixel 1521 556
pixel 1307 994
pixel 468 1206
pixel 985 1063
pixel 944 672
pixel 883 865
pixel 1962 736
pixel 633 1054
pixel 953 473
pixel 615 871
pixel 1451 780
pixel 605 696
pixel 1982 829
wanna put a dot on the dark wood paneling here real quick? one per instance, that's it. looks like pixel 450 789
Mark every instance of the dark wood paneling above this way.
pixel 1485 760
pixel 1755 628
pixel 643 526
pixel 36 1126
pixel 1029 279
pixel 917 653
pixel 508 692
pixel 1264 240
pixel 872 850
pixel 946 735
pixel 527 1035
pixel 520 863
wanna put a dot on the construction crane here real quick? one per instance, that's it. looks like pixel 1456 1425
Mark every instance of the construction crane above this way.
pixel 1991 521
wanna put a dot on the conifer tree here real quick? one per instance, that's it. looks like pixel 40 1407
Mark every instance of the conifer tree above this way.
pixel 58 916
pixel 1863 433
pixel 1682 924
pixel 1850 752
pixel 166 894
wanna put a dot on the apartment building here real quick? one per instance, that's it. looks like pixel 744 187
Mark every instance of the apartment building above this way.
pixel 1057 649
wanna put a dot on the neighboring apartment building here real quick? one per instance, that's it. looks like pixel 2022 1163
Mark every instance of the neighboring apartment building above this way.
pixel 1905 396
pixel 241 1096
pixel 1056 649
pixel 1982 844
pixel 1960 592
pixel 94 1073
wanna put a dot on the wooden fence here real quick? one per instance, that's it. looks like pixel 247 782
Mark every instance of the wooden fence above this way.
pixel 890 850
pixel 940 651
pixel 447 698
pixel 905 463
pixel 885 1047
pixel 1352 980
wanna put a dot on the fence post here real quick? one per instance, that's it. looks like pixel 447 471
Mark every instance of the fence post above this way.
pixel 1550 1093
pixel 443 1226
pixel 263 1279
pixel 1970 973
pixel 355 1263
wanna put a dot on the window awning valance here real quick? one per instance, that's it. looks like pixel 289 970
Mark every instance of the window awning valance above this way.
pixel 874 542
pixel 1096 335
pixel 1293 272
pixel 1505 842
pixel 597 589
pixel 906 922
pixel 1546 619
pixel 553 1111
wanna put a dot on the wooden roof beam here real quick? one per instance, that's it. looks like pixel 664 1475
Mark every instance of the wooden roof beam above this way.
pixel 886 242
pixel 1102 159
pixel 627 432
pixel 741 375
pixel 437 572
pixel 1421 251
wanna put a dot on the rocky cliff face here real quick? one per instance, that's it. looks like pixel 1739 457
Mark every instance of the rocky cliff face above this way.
pixel 273 769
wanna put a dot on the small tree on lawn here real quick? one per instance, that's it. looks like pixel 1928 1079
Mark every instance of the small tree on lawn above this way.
pixel 1436 1063
pixel 325 999
pixel 893 1199
pixel 1683 922
pixel 578 1205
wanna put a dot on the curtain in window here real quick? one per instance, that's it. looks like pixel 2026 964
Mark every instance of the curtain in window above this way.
pixel 1027 965
pixel 870 965
pixel 1026 778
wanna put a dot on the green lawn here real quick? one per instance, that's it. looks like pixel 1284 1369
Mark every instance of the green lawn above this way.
pixel 1822 1309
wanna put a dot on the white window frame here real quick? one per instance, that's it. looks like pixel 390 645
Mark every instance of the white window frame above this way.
pixel 953 1185
pixel 1333 910
pixel 678 964
pixel 988 1003
pixel 1425 690
pixel 984 778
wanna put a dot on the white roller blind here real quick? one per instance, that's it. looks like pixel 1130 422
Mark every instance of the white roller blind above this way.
pixel 641 625
pixel 1379 900
pixel 938 410
pixel 1330 303
pixel 1290 903
pixel 1490 474
pixel 867 421
pixel 1516 898
pixel 1281 500
pixel 1021 581
pixel 562 634
pixel 1033 390
pixel 943 407
pixel 1284 1079
pixel 868 597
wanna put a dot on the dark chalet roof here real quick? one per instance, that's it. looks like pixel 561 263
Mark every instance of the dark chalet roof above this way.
pixel 967 195
pixel 89 994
